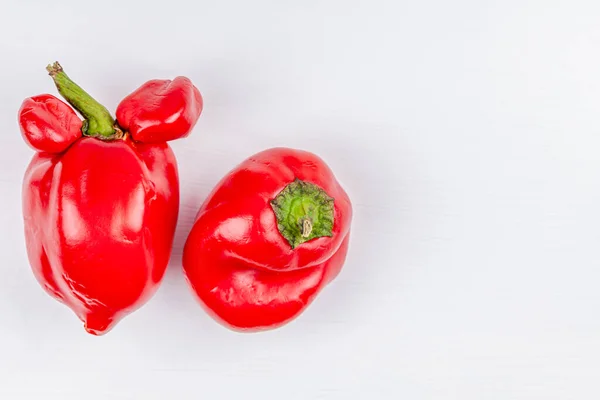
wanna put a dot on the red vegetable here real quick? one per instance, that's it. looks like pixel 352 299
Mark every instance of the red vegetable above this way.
pixel 269 237
pixel 99 207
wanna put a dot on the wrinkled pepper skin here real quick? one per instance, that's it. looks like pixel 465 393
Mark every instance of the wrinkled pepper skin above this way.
pixel 161 110
pixel 100 214
pixel 245 273
pixel 48 124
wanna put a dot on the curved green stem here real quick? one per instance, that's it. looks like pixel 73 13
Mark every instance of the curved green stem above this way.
pixel 98 121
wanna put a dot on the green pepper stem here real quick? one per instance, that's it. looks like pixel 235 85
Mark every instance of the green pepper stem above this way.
pixel 98 121
pixel 304 211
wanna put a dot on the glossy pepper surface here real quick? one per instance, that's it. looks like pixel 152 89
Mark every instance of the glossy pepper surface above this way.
pixel 99 205
pixel 268 238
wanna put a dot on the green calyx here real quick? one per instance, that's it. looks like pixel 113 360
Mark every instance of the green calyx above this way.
pixel 98 121
pixel 304 211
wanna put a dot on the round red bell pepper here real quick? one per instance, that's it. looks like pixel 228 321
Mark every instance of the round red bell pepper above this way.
pixel 268 238
pixel 100 204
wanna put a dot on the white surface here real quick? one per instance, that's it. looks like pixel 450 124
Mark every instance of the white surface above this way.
pixel 467 134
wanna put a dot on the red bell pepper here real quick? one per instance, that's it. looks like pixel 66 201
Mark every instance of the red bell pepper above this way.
pixel 101 198
pixel 268 238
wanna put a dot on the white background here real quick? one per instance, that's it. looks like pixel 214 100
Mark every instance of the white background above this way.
pixel 467 134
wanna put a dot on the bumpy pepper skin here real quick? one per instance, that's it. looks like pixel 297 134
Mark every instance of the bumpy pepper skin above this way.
pixel 245 273
pixel 99 209
pixel 48 124
pixel 161 110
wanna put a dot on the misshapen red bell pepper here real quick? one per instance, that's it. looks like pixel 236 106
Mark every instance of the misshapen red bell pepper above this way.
pixel 268 238
pixel 100 205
